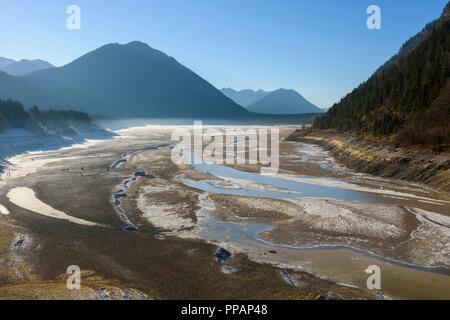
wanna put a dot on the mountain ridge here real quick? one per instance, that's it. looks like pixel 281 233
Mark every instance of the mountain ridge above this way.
pixel 283 101
pixel 4 62
pixel 408 103
pixel 130 77
pixel 416 40
pixel 244 97
pixel 24 66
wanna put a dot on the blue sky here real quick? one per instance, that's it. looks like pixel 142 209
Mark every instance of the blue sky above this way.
pixel 320 48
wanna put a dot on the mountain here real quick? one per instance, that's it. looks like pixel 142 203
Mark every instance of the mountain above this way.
pixel 408 101
pixel 283 101
pixel 132 78
pixel 4 62
pixel 244 97
pixel 410 45
pixel 25 66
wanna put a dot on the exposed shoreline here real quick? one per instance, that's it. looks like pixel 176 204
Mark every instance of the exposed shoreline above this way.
pixel 148 259
pixel 166 269
pixel 366 156
pixel 14 142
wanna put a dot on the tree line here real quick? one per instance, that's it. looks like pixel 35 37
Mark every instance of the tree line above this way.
pixel 14 115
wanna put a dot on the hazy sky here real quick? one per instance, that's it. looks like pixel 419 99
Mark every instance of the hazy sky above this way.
pixel 320 48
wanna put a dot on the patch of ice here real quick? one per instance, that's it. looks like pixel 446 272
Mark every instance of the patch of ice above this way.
pixel 3 210
pixel 150 189
pixel 163 216
pixel 379 221
pixel 229 269
pixel 25 198
pixel 431 240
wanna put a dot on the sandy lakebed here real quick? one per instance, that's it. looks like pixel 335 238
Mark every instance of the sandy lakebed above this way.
pixel 141 227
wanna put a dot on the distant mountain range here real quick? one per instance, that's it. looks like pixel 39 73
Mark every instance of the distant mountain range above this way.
pixel 22 67
pixel 136 80
pixel 131 79
pixel 4 62
pixel 281 101
pixel 244 97
pixel 408 99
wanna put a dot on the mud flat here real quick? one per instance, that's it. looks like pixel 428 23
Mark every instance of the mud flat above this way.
pixel 332 225
pixel 382 159
pixel 79 183
pixel 311 229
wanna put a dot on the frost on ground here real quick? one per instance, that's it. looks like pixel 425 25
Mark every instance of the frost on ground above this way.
pixel 360 219
pixel 430 242
pixel 157 206
pixel 337 216
pixel 411 235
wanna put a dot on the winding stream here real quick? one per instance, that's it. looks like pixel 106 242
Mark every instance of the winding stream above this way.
pixel 339 262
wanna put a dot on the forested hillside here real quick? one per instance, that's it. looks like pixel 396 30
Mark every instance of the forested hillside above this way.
pixel 407 102
pixel 13 115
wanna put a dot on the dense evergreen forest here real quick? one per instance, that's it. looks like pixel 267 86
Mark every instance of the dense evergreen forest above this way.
pixel 13 115
pixel 407 102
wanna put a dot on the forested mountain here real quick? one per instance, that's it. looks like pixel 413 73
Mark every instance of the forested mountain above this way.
pixel 407 102
pixel 131 79
pixel 410 45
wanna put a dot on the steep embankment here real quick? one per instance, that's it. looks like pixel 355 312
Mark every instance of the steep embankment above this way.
pixel 381 159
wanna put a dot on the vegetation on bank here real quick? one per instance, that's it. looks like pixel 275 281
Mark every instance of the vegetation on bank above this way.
pixel 407 102
pixel 14 115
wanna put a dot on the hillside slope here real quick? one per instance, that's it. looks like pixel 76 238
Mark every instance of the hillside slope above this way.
pixel 283 101
pixel 4 62
pixel 24 66
pixel 131 79
pixel 244 97
pixel 408 102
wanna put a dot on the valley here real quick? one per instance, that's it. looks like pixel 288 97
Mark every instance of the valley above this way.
pixel 311 229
